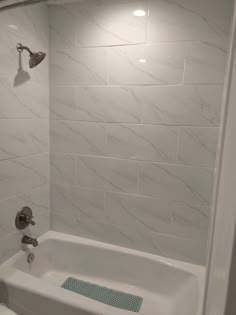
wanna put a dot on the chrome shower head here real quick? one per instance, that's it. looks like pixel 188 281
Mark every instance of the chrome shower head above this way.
pixel 35 58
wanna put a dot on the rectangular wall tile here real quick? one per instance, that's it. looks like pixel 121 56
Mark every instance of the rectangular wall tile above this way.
pixel 13 242
pixel 190 221
pixel 177 183
pixel 205 62
pixel 197 146
pixel 158 215
pixel 107 23
pixel 78 137
pixel 178 20
pixel 147 64
pixel 19 137
pixel 193 251
pixel 29 100
pixel 131 237
pixel 143 142
pixel 181 105
pixel 79 202
pixel 129 210
pixel 108 104
pixel 78 66
pixel 107 174
pixel 62 102
pixel 63 168
pixel 62 22
pixel 22 174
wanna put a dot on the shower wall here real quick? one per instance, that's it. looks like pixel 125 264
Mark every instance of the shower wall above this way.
pixel 24 124
pixel 135 106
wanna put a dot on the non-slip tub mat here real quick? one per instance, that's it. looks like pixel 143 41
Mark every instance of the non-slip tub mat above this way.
pixel 104 295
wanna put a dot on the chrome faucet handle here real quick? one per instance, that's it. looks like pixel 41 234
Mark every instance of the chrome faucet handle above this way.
pixel 24 218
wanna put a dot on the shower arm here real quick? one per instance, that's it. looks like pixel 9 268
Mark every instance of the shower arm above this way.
pixel 20 48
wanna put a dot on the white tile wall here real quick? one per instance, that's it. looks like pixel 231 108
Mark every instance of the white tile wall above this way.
pixel 198 146
pixel 79 66
pixel 147 64
pixel 107 174
pixel 205 62
pixel 24 124
pixel 178 20
pixel 135 109
pixel 142 142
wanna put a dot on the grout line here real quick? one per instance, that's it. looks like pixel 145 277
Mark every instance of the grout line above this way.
pixel 184 70
pixel 116 192
pixel 132 160
pixel 135 124
pixel 201 84
pixel 177 147
pixel 141 43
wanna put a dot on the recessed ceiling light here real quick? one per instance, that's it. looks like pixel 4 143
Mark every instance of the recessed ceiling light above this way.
pixel 139 13
pixel 143 60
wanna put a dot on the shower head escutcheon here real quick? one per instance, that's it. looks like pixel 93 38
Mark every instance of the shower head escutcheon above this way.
pixel 35 58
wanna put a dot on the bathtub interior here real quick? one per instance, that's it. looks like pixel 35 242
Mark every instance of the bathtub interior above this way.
pixel 168 287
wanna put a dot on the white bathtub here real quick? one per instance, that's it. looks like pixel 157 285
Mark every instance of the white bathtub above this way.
pixel 168 287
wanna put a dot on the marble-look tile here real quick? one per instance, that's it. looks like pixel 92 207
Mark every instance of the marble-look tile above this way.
pixel 20 175
pixel 143 142
pixel 197 105
pixel 106 23
pixel 107 174
pixel 63 168
pixel 25 23
pixel 147 64
pixel 158 215
pixel 108 104
pixel 78 137
pixel 190 221
pixel 197 146
pixel 135 237
pixel 176 183
pixel 24 114
pixel 13 242
pixel 63 102
pixel 205 62
pixel 21 137
pixel 29 100
pixel 132 237
pixel 78 66
pixel 62 22
pixel 129 210
pixel 78 202
pixel 178 20
pixel 193 251
pixel 15 66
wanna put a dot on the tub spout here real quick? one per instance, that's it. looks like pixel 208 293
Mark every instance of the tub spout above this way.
pixel 29 240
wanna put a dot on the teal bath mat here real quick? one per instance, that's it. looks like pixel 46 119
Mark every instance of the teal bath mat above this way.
pixel 104 295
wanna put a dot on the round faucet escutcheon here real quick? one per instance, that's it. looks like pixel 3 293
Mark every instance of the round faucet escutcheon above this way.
pixel 24 218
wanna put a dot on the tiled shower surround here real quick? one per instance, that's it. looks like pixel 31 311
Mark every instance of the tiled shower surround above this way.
pixel 24 124
pixel 135 105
